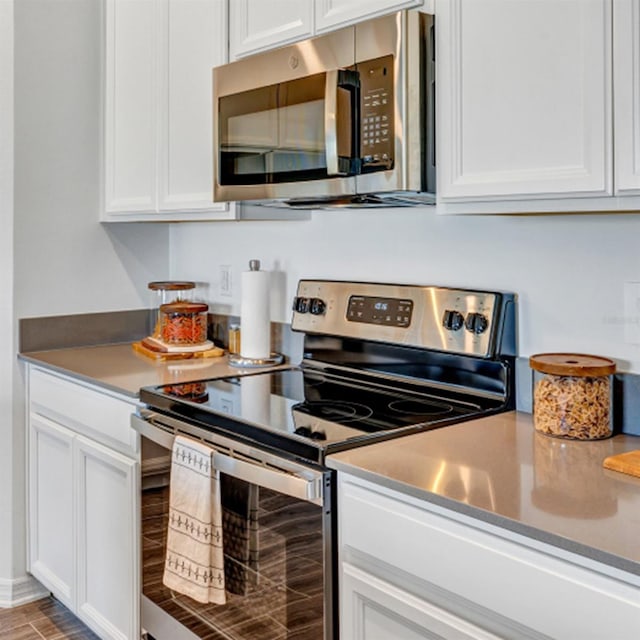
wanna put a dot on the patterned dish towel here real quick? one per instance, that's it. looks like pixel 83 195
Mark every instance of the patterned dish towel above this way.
pixel 194 565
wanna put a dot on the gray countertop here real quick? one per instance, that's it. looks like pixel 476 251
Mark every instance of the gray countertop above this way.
pixel 496 469
pixel 499 470
pixel 119 368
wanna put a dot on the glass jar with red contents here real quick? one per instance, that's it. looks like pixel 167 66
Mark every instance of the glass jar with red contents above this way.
pixel 166 292
pixel 183 323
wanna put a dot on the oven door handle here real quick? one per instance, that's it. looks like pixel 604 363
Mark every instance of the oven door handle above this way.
pixel 304 484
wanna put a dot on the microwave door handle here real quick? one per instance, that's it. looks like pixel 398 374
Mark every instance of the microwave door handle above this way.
pixel 337 79
pixel 305 484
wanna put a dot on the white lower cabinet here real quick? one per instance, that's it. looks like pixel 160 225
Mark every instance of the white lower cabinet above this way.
pixel 411 570
pixel 52 541
pixel 83 503
pixel 107 540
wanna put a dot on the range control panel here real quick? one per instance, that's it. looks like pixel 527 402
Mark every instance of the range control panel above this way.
pixel 391 312
pixel 454 320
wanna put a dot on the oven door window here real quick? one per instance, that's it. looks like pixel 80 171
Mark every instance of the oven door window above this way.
pixel 286 132
pixel 273 563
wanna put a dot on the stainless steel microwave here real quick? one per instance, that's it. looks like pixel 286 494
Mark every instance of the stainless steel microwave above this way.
pixel 346 119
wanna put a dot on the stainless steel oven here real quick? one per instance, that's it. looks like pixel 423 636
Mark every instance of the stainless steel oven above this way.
pixel 379 361
pixel 277 522
pixel 342 119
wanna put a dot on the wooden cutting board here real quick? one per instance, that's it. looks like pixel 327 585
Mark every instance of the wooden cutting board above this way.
pixel 628 463
pixel 139 347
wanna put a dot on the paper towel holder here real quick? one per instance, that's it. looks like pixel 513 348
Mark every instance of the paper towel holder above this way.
pixel 237 360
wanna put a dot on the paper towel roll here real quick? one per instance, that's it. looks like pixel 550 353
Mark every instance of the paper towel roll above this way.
pixel 255 313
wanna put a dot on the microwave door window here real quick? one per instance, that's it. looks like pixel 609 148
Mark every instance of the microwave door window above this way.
pixel 273 134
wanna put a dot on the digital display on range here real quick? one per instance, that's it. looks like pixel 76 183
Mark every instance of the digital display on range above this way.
pixel 391 312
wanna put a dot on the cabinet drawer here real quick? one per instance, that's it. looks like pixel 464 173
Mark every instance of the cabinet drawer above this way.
pixel 373 609
pixel 561 599
pixel 84 409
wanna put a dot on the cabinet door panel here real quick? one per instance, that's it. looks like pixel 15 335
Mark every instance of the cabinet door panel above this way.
pixel 255 25
pixel 131 105
pixel 333 14
pixel 626 82
pixel 51 514
pixel 108 582
pixel 523 98
pixel 190 52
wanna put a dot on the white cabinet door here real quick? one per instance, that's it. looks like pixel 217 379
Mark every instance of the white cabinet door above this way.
pixel 194 45
pixel 256 25
pixel 108 572
pixel 333 14
pixel 373 609
pixel 131 105
pixel 158 110
pixel 523 98
pixel 52 539
pixel 626 83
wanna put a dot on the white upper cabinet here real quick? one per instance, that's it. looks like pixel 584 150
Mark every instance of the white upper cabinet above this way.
pixel 524 95
pixel 626 83
pixel 158 110
pixel 258 25
pixel 332 14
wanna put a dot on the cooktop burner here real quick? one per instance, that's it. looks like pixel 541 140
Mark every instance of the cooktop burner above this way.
pixel 335 410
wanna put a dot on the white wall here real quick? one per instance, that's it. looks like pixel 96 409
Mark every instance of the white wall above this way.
pixel 66 262
pixel 568 270
pixel 6 289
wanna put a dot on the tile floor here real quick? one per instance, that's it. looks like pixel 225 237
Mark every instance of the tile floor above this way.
pixel 44 619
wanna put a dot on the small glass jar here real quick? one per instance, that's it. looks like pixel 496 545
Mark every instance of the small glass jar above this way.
pixel 183 323
pixel 234 338
pixel 572 395
pixel 166 292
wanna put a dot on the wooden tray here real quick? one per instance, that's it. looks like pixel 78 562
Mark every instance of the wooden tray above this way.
pixel 628 463
pixel 138 347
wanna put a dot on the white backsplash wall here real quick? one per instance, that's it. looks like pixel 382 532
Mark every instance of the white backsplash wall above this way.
pixel 568 270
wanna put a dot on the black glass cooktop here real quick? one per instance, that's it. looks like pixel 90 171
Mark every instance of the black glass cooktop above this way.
pixel 326 411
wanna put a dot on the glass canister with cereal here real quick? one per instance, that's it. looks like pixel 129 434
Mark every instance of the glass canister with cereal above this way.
pixel 572 395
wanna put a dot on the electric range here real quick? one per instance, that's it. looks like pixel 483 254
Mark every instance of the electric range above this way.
pixel 379 361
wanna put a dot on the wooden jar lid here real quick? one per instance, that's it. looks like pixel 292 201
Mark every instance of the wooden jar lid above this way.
pixel 171 285
pixel 572 364
pixel 184 307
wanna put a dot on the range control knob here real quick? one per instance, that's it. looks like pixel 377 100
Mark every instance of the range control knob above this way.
pixel 476 323
pixel 452 320
pixel 317 306
pixel 301 305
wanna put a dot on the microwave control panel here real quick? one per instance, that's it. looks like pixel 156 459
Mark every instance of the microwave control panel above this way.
pixel 376 114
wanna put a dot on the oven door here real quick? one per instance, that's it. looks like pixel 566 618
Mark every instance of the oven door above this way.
pixel 277 540
pixel 285 118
